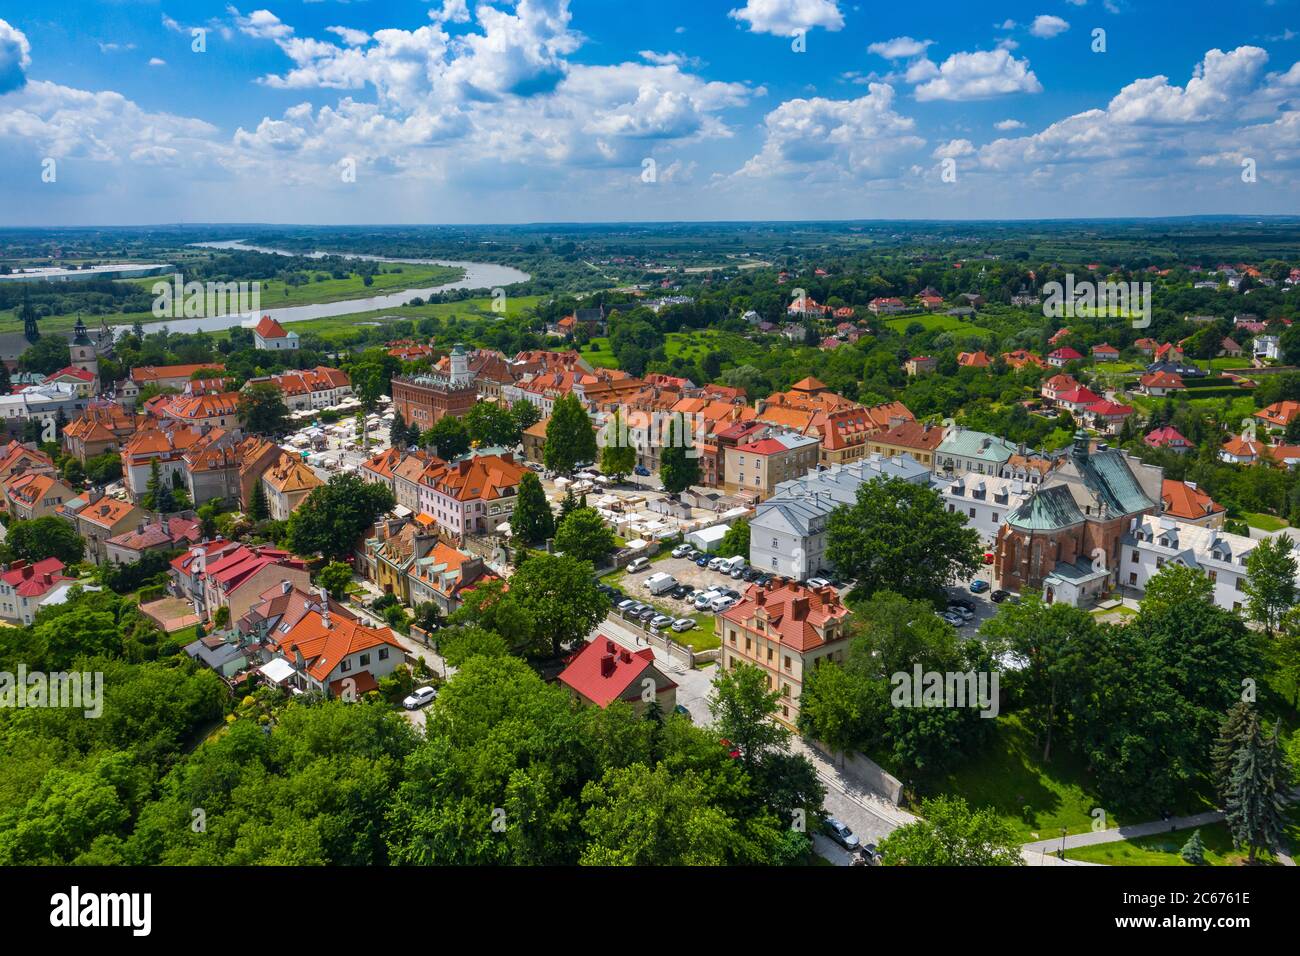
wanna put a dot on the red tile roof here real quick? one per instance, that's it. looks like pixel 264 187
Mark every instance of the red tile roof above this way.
pixel 604 671
pixel 268 328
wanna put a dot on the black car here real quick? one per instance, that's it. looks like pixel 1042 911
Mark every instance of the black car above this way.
pixel 965 603
pixel 998 596
pixel 678 592
pixel 752 574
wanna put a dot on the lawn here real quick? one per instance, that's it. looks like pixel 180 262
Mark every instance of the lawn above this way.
pixel 931 322
pixel 1264 522
pixel 1037 799
pixel 601 356
pixel 1162 849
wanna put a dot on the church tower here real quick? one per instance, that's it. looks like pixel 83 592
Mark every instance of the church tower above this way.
pixel 83 352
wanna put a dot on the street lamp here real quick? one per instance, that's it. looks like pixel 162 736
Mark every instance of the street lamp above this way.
pixel 1062 843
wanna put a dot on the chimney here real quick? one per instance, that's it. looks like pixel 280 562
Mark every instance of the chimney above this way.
pixel 799 609
pixel 606 665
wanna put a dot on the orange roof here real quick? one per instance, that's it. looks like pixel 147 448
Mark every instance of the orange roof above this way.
pixel 974 359
pixel 1279 413
pixel 106 512
pixel 324 646
pixel 1240 447
pixel 480 478
pixel 1161 380
pixel 144 374
pixel 796 615
pixel 1184 500
pixel 913 434
pixel 289 474
pixel 268 328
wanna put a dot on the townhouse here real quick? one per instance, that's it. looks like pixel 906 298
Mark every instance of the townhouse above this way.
pixel 913 438
pixel 29 495
pixel 472 496
pixel 286 484
pixel 756 468
pixel 965 450
pixel 102 428
pixel 444 575
pixel 270 336
pixel 104 518
pixel 785 629
pixel 1183 501
pixel 309 389
pixel 163 533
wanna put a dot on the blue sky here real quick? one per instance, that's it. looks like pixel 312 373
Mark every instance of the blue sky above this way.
pixel 564 110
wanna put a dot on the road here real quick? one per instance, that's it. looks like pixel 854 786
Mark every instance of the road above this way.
pixel 869 816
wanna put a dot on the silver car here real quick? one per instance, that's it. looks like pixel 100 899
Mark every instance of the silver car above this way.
pixel 683 624
pixel 660 620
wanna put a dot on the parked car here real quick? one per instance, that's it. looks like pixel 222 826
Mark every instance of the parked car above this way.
pixel 678 592
pixel 681 709
pixel 818 582
pixel 965 613
pixel 637 564
pixel 763 579
pixel 625 605
pixel 419 697
pixel 956 620
pixel 702 561
pixel 683 624
pixel 660 621
pixel 703 598
pixel 738 573
pixel 720 604
pixel 647 614
pixel 979 586
pixel 752 574
pixel 715 563
pixel 682 550
pixel 841 834
pixel 1000 595
pixel 641 470
pixel 871 854
pixel 731 593
pixel 962 602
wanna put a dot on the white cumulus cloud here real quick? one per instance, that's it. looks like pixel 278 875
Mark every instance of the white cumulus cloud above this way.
pixel 788 17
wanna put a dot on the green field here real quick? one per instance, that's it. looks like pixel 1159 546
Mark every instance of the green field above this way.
pixel 932 322
pixel 1162 849
pixel 274 294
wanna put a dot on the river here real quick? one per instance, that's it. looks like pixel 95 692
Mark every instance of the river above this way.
pixel 478 275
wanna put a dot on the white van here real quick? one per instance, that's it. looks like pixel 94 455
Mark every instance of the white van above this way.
pixel 660 582
pixel 637 564
pixel 731 564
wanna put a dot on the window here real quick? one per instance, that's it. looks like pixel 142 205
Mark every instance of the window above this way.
pixel 785 689
pixel 769 653
pixel 365 660
pixel 347 666
pixel 787 662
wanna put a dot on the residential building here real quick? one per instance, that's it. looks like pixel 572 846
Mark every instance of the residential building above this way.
pixel 471 497
pixel 1279 415
pixel 444 575
pixel 1020 358
pixel 1107 417
pixel 338 656
pixel 984 500
pixel 30 495
pixel 236 576
pixel 535 441
pixel 1240 450
pixel 1160 384
pixel 966 450
pixel 24 586
pixel 921 441
pixel 756 468
pixel 309 389
pixel 17 458
pixel 784 629
pixel 1166 436
pixel 166 446
pixel 105 518
pixel 286 485
pixel 1153 541
pixel 270 336
pixel 102 428
pixel 1063 356
pixel 978 359
pixel 1184 501
pixel 604 671
pixel 1105 352
pixel 256 455
pixel 396 546
pixel 161 534
pixel 174 377
pixel 921 365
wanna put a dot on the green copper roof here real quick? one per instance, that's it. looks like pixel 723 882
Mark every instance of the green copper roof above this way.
pixel 1051 508
pixel 1108 474
pixel 973 444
